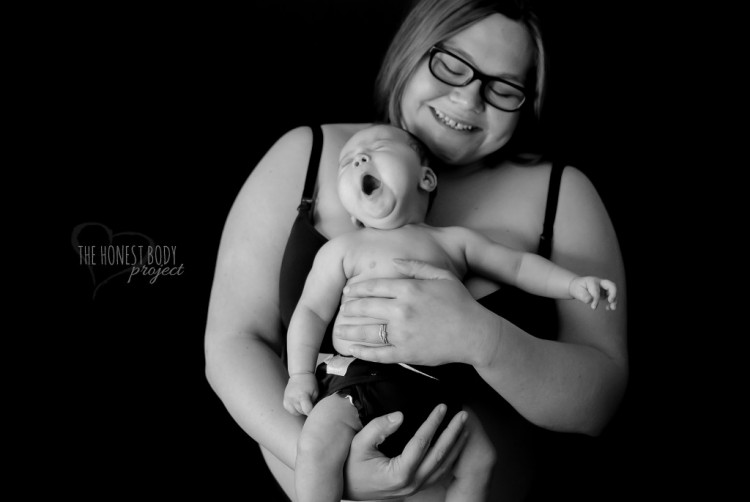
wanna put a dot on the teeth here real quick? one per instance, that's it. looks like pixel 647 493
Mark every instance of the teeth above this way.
pixel 445 119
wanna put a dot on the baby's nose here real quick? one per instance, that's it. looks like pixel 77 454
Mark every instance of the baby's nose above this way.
pixel 361 159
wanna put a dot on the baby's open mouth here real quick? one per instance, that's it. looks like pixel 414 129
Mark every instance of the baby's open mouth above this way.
pixel 369 184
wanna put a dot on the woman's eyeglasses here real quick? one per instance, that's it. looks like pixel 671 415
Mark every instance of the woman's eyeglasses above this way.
pixel 497 92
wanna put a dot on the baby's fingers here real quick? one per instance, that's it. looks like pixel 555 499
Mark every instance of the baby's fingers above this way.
pixel 290 405
pixel 305 405
pixel 593 289
pixel 578 290
pixel 611 290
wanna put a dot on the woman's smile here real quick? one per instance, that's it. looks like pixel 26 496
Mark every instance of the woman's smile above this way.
pixel 451 122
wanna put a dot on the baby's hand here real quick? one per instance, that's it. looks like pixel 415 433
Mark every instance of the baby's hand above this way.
pixel 300 394
pixel 588 290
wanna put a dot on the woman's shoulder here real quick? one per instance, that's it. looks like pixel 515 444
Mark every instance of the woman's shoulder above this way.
pixel 539 174
pixel 526 187
pixel 301 135
pixel 299 139
pixel 344 130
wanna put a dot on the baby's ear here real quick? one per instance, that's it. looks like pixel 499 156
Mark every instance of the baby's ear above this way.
pixel 428 183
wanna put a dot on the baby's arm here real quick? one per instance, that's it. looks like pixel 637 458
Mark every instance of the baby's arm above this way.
pixel 315 310
pixel 531 272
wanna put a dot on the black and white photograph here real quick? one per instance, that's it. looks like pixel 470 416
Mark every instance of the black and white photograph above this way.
pixel 323 250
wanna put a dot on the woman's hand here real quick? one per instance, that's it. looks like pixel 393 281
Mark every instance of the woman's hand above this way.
pixel 371 475
pixel 432 320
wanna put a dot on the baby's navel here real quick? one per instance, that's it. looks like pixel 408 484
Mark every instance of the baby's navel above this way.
pixel 372 264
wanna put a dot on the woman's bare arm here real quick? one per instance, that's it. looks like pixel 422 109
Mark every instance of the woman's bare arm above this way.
pixel 575 383
pixel 243 333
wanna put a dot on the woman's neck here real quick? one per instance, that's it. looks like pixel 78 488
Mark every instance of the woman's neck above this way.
pixel 453 172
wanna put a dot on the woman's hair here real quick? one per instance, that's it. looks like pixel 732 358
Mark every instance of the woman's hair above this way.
pixel 433 21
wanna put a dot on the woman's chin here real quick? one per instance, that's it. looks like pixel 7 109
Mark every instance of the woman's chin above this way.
pixel 456 156
pixel 452 150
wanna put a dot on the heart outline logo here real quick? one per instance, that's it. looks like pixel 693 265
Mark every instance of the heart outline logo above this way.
pixel 111 236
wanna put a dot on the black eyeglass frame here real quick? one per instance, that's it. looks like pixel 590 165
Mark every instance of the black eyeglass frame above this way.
pixel 475 75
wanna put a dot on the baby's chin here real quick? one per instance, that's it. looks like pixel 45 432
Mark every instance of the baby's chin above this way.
pixel 377 225
pixel 376 214
pixel 387 222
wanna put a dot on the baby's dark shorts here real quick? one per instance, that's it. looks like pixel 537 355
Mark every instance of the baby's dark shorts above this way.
pixel 378 389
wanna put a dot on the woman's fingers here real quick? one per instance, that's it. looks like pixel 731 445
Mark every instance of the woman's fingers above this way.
pixel 385 354
pixel 381 288
pixel 393 288
pixel 422 270
pixel 446 463
pixel 419 445
pixel 445 450
pixel 365 333
pixel 377 308
pixel 375 432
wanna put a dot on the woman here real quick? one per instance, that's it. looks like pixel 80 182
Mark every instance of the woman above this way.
pixel 466 76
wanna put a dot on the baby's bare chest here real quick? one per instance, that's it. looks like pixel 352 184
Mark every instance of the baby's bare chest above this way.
pixel 372 255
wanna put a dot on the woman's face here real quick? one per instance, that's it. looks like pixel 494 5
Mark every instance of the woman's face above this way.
pixel 455 122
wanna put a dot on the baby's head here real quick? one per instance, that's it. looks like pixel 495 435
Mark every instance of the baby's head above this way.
pixel 384 178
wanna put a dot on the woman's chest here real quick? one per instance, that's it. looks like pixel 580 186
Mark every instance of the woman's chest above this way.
pixel 507 210
pixel 506 207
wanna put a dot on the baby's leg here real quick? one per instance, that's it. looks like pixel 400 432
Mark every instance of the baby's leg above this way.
pixel 322 450
pixel 474 466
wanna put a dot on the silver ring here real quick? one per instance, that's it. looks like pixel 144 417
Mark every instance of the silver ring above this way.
pixel 383 334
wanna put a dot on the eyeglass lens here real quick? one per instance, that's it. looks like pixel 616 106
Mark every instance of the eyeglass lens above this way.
pixel 453 71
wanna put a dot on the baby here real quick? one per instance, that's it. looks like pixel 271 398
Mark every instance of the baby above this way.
pixel 384 182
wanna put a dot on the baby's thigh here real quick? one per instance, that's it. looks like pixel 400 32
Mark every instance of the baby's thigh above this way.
pixel 331 424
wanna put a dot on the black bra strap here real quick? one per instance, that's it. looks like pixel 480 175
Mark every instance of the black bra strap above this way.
pixel 312 168
pixel 545 239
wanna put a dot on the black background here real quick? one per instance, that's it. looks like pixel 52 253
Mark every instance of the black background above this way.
pixel 153 118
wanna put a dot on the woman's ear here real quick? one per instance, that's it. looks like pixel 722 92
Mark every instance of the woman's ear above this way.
pixel 428 183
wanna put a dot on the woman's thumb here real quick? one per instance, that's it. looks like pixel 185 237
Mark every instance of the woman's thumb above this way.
pixel 375 432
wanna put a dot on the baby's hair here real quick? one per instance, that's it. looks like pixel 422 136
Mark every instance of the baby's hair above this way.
pixel 418 146
pixel 424 155
pixel 415 143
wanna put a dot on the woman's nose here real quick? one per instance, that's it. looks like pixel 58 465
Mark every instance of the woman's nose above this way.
pixel 361 159
pixel 469 96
